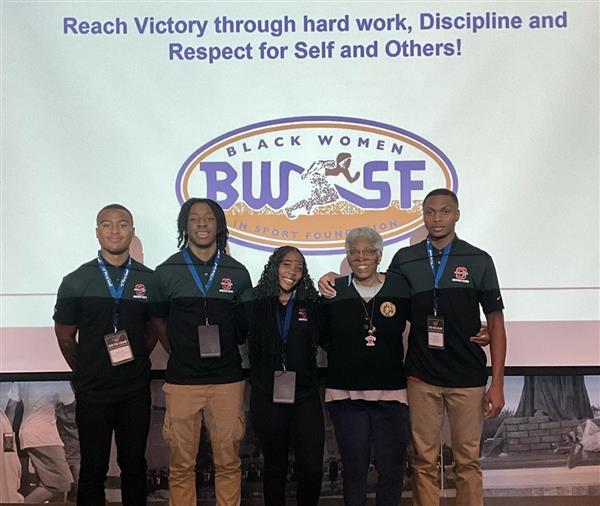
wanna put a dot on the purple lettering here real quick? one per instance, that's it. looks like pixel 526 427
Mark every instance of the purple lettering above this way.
pixel 407 184
pixel 384 189
pixel 266 194
pixel 223 185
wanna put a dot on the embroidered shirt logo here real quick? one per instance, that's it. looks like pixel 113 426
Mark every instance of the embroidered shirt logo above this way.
pixel 139 291
pixel 226 285
pixel 460 275
pixel 302 315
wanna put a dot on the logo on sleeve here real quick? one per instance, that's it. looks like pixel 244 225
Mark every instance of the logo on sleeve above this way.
pixel 460 275
pixel 226 285
pixel 139 291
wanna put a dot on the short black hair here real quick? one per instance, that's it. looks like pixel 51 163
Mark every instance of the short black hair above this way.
pixel 441 191
pixel 184 213
pixel 113 206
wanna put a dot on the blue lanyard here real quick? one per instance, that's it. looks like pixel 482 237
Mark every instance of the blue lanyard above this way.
pixel 115 293
pixel 284 327
pixel 437 272
pixel 188 260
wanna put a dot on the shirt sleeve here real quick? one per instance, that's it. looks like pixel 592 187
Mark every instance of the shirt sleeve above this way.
pixel 158 303
pixel 243 314
pixel 488 291
pixel 245 284
pixel 401 293
pixel 242 300
pixel 395 266
pixel 324 307
pixel 68 304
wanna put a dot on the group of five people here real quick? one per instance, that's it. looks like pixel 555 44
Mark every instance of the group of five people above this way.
pixel 201 305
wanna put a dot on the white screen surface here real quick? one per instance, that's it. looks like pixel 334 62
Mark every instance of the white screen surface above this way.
pixel 89 119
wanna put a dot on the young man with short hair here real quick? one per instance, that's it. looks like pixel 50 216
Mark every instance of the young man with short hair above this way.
pixel 449 279
pixel 200 286
pixel 101 323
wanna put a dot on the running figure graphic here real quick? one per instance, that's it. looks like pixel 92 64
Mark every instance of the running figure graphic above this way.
pixel 321 191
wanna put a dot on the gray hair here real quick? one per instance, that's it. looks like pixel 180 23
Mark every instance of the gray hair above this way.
pixel 366 232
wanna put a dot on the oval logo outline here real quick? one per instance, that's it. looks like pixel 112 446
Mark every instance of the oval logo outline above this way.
pixel 314 246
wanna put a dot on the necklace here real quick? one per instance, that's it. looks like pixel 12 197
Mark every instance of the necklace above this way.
pixel 370 338
pixel 368 293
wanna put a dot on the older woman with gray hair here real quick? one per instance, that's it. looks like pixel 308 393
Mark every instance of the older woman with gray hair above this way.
pixel 361 328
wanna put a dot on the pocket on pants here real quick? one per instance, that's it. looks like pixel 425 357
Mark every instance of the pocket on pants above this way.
pixel 240 430
pixel 167 428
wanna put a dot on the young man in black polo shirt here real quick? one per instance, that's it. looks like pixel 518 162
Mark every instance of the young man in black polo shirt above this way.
pixel 200 286
pixel 101 318
pixel 448 281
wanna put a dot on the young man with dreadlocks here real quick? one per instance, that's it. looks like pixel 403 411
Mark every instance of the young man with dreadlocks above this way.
pixel 200 286
pixel 285 404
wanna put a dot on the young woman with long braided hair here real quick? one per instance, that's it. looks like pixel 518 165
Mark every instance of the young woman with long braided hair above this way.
pixel 285 404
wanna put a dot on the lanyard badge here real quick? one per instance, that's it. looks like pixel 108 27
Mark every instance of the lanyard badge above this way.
pixel 209 340
pixel 435 322
pixel 117 342
pixel 115 293
pixel 284 381
pixel 284 327
pixel 192 268
pixel 8 442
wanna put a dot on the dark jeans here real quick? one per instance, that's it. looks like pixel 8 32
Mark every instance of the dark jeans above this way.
pixel 358 424
pixel 276 425
pixel 130 421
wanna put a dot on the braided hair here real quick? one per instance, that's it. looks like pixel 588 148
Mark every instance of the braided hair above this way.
pixel 182 219
pixel 264 340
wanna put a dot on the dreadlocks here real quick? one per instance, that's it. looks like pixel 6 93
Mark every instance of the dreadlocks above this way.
pixel 182 219
pixel 264 340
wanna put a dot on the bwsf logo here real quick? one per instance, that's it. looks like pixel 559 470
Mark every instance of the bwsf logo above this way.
pixel 308 180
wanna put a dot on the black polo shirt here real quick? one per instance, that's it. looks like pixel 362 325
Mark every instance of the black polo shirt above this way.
pixel 84 300
pixel 468 281
pixel 185 308
pixel 352 365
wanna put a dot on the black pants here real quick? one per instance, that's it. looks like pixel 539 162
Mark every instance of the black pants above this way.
pixel 276 425
pixel 130 421
pixel 358 425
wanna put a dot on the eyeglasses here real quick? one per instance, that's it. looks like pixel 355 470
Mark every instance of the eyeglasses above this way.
pixel 367 253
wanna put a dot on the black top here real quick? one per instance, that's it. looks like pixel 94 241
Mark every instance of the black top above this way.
pixel 300 352
pixel 469 281
pixel 185 308
pixel 85 301
pixel 352 365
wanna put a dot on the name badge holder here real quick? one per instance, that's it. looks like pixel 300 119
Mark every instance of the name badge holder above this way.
pixel 117 342
pixel 284 381
pixel 209 338
pixel 435 332
pixel 119 349
pixel 284 387
pixel 435 322
pixel 8 442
